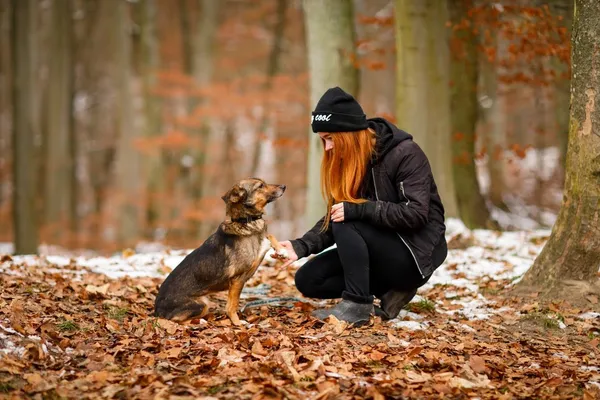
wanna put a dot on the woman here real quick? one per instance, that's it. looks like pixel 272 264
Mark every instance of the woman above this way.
pixel 384 215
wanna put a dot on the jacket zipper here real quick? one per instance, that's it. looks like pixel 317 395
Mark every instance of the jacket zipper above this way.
pixel 401 238
pixel 404 193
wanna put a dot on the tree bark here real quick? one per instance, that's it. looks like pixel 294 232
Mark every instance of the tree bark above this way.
pixel 5 101
pixel 25 182
pixel 573 249
pixel 154 166
pixel 422 86
pixel 203 67
pixel 563 8
pixel 495 137
pixel 127 158
pixel 330 40
pixel 464 111
pixel 272 70
pixel 57 199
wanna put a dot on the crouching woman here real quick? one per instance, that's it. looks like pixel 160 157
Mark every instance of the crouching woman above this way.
pixel 384 215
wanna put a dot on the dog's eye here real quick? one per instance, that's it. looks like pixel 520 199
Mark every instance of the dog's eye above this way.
pixel 262 185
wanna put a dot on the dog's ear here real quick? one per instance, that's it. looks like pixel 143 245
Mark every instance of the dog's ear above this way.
pixel 234 195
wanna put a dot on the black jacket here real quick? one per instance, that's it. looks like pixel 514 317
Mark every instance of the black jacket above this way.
pixel 402 195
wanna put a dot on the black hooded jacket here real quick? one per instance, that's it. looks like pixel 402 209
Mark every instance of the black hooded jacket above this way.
pixel 402 195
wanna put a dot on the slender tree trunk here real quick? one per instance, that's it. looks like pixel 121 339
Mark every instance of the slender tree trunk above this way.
pixel 464 110
pixel 100 139
pixel 59 111
pixel 422 86
pixel 573 249
pixel 495 137
pixel 204 50
pixel 272 70
pixel 5 101
pixel 330 40
pixel 154 167
pixel 127 158
pixel 25 183
pixel 378 85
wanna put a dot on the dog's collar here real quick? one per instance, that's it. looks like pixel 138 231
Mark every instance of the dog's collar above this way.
pixel 247 220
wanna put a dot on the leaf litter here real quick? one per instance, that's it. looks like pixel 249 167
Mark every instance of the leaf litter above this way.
pixel 82 328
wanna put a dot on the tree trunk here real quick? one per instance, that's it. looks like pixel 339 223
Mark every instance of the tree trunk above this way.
pixel 378 66
pixel 464 110
pixel 563 8
pixel 24 91
pixel 127 157
pixel 330 40
pixel 58 130
pixel 573 249
pixel 154 167
pixel 422 86
pixel 5 104
pixel 203 66
pixel 272 70
pixel 495 136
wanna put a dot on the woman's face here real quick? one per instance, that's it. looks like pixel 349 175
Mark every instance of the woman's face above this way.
pixel 326 136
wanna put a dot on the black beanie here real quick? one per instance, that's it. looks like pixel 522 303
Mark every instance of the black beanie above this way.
pixel 338 111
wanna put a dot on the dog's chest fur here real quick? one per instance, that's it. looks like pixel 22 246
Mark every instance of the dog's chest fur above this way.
pixel 247 250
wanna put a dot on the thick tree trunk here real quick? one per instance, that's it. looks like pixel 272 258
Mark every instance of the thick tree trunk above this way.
pixel 464 111
pixel 573 249
pixel 127 158
pixel 330 40
pixel 422 86
pixel 25 181
pixel 563 8
pixel 58 130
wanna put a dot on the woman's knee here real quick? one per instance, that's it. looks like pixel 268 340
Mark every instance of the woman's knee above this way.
pixel 304 280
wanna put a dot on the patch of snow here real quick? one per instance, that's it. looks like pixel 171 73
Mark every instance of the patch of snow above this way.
pixel 410 325
pixel 7 346
pixel 591 368
pixel 561 355
pixel 590 315
pixel 6 248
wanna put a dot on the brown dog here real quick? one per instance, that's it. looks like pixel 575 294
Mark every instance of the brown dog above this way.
pixel 226 260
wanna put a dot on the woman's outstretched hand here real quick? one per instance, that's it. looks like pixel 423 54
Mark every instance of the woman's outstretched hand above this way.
pixel 290 255
pixel 337 212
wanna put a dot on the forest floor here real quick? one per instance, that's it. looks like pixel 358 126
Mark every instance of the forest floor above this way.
pixel 81 328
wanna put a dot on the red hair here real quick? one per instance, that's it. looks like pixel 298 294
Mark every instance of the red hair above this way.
pixel 343 167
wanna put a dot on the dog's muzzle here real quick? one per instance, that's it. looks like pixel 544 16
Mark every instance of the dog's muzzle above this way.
pixel 278 193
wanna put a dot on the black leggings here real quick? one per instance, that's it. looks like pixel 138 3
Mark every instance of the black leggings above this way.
pixel 367 262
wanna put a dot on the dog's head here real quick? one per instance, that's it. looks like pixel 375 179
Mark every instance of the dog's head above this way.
pixel 249 197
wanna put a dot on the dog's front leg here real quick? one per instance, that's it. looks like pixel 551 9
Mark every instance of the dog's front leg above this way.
pixel 233 299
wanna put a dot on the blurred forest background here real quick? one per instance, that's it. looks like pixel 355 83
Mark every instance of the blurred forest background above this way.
pixel 123 122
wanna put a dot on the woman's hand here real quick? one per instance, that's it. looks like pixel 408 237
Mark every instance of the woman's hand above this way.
pixel 337 212
pixel 291 255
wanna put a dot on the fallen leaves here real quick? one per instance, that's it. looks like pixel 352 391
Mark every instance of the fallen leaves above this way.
pixel 95 337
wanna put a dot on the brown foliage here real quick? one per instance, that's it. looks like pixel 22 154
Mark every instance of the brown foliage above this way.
pixel 94 338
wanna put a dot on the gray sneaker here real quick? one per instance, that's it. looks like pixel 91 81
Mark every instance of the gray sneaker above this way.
pixel 392 302
pixel 356 314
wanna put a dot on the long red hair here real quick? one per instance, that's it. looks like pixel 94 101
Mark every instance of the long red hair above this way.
pixel 343 167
